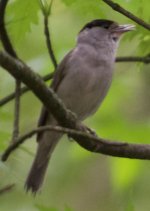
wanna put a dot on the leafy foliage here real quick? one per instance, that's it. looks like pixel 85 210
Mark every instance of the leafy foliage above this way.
pixel 20 16
pixel 90 8
pixel 141 9
pixel 77 177
pixel 138 7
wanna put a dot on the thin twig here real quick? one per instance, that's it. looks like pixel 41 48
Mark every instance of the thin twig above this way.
pixel 46 11
pixel 144 59
pixel 9 48
pixel 122 149
pixel 15 133
pixel 48 42
pixel 68 131
pixel 16 112
pixel 6 189
pixel 8 98
pixel 65 117
pixel 23 90
pixel 128 14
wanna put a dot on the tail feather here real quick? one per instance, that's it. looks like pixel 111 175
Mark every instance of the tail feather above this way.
pixel 46 145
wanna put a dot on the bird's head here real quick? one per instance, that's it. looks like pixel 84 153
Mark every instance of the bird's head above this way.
pixel 104 31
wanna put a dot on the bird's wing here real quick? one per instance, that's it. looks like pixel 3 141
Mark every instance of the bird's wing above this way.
pixel 60 72
pixel 58 77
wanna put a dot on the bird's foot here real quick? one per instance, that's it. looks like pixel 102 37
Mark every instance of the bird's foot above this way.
pixel 89 130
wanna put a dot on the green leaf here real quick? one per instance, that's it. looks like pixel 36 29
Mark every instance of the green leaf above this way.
pixel 20 16
pixel 86 9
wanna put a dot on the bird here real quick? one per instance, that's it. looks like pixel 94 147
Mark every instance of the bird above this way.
pixel 81 81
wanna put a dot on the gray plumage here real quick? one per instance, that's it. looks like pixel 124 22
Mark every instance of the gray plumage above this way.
pixel 81 80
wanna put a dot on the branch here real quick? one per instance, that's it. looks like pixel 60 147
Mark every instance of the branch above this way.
pixel 46 10
pixel 8 98
pixel 16 112
pixel 23 90
pixel 7 188
pixel 48 41
pixel 3 33
pixel 21 71
pixel 128 14
pixel 144 59
pixel 9 48
pixel 68 131
pixel 103 146
pixel 66 118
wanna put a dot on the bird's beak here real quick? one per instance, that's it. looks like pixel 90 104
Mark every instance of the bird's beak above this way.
pixel 123 28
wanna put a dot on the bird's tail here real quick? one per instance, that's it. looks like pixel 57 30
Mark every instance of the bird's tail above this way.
pixel 46 145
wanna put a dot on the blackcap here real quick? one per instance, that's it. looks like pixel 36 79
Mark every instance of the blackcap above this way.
pixel 81 81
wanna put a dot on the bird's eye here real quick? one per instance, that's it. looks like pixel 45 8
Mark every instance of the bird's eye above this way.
pixel 105 26
pixel 114 38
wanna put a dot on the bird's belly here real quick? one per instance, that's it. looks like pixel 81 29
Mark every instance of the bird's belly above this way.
pixel 83 93
pixel 91 98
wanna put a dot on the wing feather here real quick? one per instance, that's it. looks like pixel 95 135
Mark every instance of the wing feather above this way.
pixel 58 77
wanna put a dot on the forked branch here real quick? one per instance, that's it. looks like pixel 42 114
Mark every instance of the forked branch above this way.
pixel 9 49
pixel 66 118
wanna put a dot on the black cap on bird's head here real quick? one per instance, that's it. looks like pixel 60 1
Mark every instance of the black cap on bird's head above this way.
pixel 98 23
pixel 108 25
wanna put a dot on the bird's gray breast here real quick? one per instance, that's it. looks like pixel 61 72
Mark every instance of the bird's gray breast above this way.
pixel 86 82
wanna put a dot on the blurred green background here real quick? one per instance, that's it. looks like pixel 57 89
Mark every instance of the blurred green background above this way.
pixel 78 180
